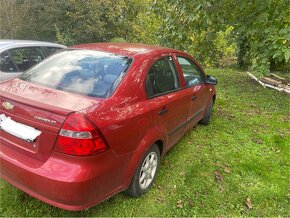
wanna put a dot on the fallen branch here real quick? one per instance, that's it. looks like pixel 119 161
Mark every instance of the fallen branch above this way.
pixel 265 85
pixel 278 77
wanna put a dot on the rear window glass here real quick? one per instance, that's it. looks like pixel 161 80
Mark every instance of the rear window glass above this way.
pixel 90 73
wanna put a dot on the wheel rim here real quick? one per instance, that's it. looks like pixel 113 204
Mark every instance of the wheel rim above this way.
pixel 148 170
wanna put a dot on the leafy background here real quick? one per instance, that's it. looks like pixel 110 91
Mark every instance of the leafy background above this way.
pixel 249 34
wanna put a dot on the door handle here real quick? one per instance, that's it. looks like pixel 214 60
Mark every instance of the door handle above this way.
pixel 163 111
pixel 193 97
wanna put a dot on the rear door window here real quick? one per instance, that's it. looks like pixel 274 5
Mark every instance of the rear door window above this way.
pixel 162 77
pixel 6 64
pixel 25 58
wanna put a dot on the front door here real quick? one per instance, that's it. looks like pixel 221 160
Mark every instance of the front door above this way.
pixel 196 89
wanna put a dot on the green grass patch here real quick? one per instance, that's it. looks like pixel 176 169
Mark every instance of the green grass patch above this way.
pixel 243 153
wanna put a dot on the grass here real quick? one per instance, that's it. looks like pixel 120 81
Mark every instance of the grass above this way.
pixel 243 154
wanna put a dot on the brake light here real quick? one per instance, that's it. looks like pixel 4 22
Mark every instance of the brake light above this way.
pixel 79 136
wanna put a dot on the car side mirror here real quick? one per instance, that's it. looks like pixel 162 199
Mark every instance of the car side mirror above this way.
pixel 210 80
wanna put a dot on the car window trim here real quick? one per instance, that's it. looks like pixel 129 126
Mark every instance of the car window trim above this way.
pixel 177 74
pixel 47 51
pixel 164 93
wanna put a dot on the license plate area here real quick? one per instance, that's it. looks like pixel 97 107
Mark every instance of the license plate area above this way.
pixel 19 130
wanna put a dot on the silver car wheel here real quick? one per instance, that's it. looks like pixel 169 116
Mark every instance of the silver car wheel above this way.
pixel 148 170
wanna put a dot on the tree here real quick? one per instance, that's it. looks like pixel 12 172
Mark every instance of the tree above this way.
pixel 80 21
pixel 259 28
pixel 11 17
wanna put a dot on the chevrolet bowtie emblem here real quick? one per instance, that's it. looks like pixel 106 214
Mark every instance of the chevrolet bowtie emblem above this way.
pixel 7 105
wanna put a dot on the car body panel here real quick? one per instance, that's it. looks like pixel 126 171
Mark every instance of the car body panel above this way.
pixel 129 121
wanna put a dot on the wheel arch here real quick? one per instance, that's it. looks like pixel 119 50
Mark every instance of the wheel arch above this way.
pixel 160 145
pixel 213 98
pixel 152 137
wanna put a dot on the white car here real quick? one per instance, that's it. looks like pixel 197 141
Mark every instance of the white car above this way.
pixel 16 56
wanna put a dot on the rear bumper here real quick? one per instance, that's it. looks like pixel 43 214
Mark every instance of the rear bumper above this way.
pixel 71 183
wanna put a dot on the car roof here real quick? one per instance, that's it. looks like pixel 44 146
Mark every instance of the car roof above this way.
pixel 126 49
pixel 12 43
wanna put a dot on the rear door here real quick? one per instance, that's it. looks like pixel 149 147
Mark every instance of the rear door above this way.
pixel 168 100
pixel 197 91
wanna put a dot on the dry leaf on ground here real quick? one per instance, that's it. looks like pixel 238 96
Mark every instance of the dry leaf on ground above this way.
pixel 179 204
pixel 218 176
pixel 190 202
pixel 249 203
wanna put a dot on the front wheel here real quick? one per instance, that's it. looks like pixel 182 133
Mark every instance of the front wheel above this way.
pixel 145 173
pixel 206 119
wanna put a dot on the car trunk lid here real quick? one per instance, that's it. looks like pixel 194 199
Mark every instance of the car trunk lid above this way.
pixel 41 108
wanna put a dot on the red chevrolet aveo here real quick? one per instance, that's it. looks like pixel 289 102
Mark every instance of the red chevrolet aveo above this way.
pixel 93 120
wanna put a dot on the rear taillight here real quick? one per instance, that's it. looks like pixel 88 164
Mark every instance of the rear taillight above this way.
pixel 79 136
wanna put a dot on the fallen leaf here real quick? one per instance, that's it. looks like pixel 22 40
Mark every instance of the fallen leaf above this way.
pixel 190 202
pixel 160 199
pixel 196 193
pixel 218 164
pixel 198 146
pixel 258 141
pixel 179 204
pixel 218 176
pixel 227 170
pixel 181 173
pixel 249 203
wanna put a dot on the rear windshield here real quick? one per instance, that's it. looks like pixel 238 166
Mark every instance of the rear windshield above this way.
pixel 85 72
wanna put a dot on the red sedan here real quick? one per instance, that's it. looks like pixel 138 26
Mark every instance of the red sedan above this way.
pixel 93 120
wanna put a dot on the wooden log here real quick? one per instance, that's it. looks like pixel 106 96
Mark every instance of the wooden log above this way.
pixel 284 89
pixel 270 81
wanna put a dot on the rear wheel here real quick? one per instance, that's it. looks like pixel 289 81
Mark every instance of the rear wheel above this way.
pixel 145 173
pixel 206 119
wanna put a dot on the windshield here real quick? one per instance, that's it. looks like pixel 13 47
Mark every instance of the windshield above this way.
pixel 85 72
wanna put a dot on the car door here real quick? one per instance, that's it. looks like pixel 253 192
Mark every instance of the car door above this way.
pixel 167 99
pixel 197 91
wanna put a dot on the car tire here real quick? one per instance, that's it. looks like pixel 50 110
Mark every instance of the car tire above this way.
pixel 206 119
pixel 145 173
